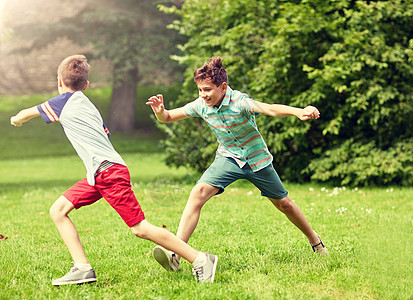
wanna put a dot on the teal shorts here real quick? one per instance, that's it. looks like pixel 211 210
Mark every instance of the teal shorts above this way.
pixel 224 171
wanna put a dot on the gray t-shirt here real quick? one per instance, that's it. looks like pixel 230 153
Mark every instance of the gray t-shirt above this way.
pixel 84 127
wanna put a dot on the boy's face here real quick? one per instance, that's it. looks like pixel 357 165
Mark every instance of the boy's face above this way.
pixel 212 94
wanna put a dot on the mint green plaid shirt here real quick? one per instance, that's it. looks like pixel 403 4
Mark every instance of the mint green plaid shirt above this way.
pixel 233 123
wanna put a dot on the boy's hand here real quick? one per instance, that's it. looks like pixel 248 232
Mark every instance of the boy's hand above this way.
pixel 24 116
pixel 309 112
pixel 163 115
pixel 13 121
pixel 156 102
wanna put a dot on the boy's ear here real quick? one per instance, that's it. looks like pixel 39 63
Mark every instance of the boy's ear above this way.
pixel 224 86
pixel 86 85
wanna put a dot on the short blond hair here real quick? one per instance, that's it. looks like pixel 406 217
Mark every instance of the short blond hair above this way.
pixel 74 71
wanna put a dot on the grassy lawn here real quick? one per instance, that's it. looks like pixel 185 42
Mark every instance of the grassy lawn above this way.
pixel 261 254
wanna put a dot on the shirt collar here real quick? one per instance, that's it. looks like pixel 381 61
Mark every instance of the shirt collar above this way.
pixel 227 97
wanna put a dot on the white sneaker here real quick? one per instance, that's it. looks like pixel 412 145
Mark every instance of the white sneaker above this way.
pixel 76 276
pixel 319 248
pixel 166 258
pixel 206 272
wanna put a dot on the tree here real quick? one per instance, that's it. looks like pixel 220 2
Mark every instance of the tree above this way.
pixel 131 34
pixel 352 59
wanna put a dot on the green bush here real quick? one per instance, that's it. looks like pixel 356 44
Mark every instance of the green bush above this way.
pixel 363 164
pixel 351 59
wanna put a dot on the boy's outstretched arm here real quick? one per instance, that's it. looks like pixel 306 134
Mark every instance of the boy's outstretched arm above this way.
pixel 163 115
pixel 280 110
pixel 24 116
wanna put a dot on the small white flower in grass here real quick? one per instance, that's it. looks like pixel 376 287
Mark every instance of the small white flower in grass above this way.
pixel 323 189
pixel 249 193
pixel 341 210
pixel 311 189
pixel 335 192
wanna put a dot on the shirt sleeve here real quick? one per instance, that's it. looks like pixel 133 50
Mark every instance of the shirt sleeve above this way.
pixel 52 108
pixel 247 105
pixel 192 108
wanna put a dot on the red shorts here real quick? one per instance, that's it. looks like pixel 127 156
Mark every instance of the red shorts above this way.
pixel 113 184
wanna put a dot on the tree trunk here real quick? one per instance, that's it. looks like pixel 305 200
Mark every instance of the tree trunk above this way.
pixel 121 116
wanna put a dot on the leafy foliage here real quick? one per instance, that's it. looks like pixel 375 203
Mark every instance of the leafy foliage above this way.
pixel 351 59
pixel 362 164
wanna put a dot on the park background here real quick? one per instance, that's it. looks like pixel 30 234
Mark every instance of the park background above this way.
pixel 350 171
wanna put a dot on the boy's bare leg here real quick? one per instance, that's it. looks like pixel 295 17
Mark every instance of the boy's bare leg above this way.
pixel 164 238
pixel 200 194
pixel 59 213
pixel 295 215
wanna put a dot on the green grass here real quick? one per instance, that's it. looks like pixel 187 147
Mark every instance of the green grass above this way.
pixel 261 254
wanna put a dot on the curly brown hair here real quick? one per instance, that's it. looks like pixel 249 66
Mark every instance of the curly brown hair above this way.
pixel 213 70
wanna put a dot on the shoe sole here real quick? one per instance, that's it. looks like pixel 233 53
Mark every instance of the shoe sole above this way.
pixel 163 259
pixel 88 280
pixel 214 268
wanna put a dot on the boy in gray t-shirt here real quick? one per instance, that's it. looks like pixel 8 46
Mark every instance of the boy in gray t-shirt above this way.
pixel 107 175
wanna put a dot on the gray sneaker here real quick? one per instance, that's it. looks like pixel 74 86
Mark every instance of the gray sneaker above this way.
pixel 76 276
pixel 206 272
pixel 319 248
pixel 166 259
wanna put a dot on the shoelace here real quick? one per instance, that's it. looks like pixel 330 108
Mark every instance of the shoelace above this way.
pixel 174 260
pixel 198 272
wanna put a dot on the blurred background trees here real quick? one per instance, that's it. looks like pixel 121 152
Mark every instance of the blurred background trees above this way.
pixel 130 34
pixel 351 59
